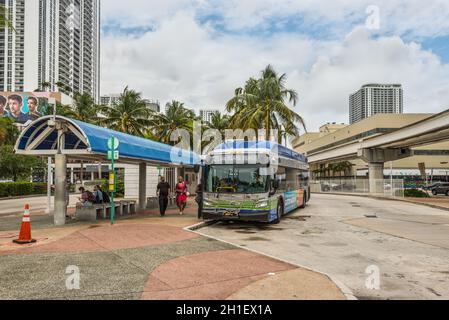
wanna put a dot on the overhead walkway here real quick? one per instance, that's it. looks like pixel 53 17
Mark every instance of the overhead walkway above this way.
pixel 65 138
pixel 389 146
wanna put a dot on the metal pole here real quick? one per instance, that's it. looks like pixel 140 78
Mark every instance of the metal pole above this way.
pixel 112 193
pixel 391 178
pixel 49 183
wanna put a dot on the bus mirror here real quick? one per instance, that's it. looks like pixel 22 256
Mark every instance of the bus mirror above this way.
pixel 197 168
pixel 275 184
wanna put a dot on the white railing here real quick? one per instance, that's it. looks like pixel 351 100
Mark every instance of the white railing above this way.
pixel 386 187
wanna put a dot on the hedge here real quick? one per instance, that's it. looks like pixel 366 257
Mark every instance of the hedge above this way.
pixel 415 193
pixel 17 189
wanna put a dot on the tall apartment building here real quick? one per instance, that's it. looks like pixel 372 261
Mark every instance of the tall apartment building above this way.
pixel 56 41
pixel 372 99
pixel 206 115
pixel 111 99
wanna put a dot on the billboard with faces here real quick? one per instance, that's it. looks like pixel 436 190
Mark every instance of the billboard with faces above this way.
pixel 23 107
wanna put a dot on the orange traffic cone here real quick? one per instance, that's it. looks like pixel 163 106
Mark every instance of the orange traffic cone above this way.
pixel 25 229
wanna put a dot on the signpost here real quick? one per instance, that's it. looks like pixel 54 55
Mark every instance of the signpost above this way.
pixel 113 154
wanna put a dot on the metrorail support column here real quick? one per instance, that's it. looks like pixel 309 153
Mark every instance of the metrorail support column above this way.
pixel 142 186
pixel 376 177
pixel 60 189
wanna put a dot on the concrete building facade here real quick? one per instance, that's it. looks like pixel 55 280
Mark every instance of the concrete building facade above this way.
pixel 111 99
pixel 56 42
pixel 434 156
pixel 373 99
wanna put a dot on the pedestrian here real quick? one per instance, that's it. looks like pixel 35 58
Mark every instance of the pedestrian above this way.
pixel 163 192
pixel 199 198
pixel 98 194
pixel 87 198
pixel 105 195
pixel 181 195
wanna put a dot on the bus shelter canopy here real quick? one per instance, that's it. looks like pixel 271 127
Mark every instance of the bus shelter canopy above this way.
pixel 48 136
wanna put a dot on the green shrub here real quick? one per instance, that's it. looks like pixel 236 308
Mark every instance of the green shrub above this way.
pixel 17 189
pixel 415 193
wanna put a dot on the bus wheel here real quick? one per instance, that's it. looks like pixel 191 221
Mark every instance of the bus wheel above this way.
pixel 279 213
pixel 304 201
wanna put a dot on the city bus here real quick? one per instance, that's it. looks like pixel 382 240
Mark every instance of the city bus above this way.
pixel 258 181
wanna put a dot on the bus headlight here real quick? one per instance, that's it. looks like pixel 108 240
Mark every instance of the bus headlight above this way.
pixel 208 203
pixel 262 204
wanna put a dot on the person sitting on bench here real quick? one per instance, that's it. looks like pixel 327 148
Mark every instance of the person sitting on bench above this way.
pixel 87 198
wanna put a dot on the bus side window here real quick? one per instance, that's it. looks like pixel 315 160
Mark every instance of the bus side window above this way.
pixel 303 179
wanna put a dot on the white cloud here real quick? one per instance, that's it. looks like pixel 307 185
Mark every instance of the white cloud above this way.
pixel 188 61
pixel 411 17
pixel 360 60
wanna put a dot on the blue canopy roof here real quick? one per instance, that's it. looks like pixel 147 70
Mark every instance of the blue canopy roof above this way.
pixel 83 138
pixel 273 146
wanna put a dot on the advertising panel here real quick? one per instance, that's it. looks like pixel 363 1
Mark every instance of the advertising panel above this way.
pixel 24 107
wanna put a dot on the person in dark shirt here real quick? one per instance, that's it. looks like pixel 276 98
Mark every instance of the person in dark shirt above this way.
pixel 163 192
pixel 199 199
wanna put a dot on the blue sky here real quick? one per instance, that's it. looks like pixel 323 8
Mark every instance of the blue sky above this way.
pixel 199 51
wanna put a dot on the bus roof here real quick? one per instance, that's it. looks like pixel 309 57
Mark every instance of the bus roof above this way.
pixel 262 145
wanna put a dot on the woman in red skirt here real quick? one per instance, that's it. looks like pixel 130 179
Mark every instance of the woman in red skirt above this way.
pixel 181 195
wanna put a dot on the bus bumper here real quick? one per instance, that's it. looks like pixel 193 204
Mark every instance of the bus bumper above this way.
pixel 221 215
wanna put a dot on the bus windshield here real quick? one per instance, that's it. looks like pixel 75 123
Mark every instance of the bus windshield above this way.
pixel 236 179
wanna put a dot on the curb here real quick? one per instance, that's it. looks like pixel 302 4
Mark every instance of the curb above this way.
pixel 384 198
pixel 343 288
pixel 200 225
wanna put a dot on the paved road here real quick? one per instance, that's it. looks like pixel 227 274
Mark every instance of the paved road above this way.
pixel 408 243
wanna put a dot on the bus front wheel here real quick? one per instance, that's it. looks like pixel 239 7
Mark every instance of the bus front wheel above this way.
pixel 279 213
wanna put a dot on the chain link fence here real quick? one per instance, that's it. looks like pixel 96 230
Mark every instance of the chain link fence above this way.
pixel 386 187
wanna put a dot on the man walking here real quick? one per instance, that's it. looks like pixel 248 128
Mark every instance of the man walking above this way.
pixel 163 192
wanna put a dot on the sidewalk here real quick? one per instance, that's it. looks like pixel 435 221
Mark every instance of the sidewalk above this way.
pixel 147 257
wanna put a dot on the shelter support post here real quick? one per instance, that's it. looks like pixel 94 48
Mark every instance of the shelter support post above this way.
pixel 60 189
pixel 142 186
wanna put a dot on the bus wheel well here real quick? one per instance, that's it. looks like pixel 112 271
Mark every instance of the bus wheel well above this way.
pixel 281 201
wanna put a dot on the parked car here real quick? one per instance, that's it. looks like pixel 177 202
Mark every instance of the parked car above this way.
pixel 442 188
pixel 432 186
pixel 327 186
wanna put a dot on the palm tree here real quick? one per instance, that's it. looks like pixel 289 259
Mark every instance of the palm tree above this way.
pixel 84 108
pixel 45 85
pixel 218 122
pixel 129 115
pixel 176 117
pixel 262 104
pixel 61 110
pixel 5 19
pixel 8 132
